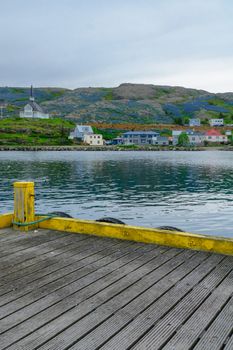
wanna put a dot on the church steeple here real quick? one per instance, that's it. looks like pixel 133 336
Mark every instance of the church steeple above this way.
pixel 31 94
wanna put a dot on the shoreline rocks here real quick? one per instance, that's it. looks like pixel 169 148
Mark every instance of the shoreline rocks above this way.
pixel 97 148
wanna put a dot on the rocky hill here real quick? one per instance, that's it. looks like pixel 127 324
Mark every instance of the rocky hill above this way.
pixel 128 103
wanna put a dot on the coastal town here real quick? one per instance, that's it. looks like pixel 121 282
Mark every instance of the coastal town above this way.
pixel 85 134
pixel 188 137
pixel 191 134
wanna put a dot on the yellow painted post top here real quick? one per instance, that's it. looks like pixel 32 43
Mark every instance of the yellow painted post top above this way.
pixel 24 208
pixel 23 184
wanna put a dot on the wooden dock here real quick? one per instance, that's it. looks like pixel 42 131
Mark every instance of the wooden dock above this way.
pixel 68 291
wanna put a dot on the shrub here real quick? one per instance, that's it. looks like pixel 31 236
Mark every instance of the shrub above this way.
pixel 183 139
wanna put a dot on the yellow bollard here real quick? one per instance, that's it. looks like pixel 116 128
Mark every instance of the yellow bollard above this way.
pixel 24 209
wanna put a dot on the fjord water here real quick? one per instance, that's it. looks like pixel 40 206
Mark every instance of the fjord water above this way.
pixel 189 190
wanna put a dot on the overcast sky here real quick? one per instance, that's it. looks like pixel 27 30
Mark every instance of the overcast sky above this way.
pixel 77 43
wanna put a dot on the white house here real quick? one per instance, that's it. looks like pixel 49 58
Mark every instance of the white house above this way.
pixel 93 139
pixel 194 122
pixel 175 136
pixel 160 140
pixel 33 110
pixel 216 122
pixel 177 132
pixel 80 131
pixel 196 138
pixel 215 136
pixel 139 137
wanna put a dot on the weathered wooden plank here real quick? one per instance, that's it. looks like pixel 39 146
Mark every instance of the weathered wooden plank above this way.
pixel 135 329
pixel 83 292
pixel 219 330
pixel 51 255
pixel 190 332
pixel 7 230
pixel 11 236
pixel 27 273
pixel 18 257
pixel 165 328
pixel 66 304
pixel 229 344
pixel 8 235
pixel 86 324
pixel 83 250
pixel 60 279
pixel 9 249
pixel 117 318
pixel 54 249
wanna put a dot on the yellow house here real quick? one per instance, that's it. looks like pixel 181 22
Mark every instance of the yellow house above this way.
pixel 93 139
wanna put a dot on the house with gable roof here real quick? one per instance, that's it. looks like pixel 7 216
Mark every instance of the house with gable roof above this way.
pixel 215 136
pixel 80 131
pixel 32 109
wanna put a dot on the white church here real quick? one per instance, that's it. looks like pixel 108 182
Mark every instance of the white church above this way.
pixel 32 109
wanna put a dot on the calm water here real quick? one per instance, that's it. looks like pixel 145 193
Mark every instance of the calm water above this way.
pixel 190 190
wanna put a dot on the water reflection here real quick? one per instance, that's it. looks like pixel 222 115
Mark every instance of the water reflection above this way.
pixel 191 190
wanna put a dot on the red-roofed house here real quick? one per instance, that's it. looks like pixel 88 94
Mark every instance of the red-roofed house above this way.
pixel 215 136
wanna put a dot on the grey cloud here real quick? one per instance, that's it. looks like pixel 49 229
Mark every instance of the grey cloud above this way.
pixel 76 43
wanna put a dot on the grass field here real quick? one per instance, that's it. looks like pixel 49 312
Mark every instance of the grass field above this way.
pixel 55 131
pixel 19 131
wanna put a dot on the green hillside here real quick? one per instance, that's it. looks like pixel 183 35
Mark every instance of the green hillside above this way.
pixel 16 131
pixel 127 103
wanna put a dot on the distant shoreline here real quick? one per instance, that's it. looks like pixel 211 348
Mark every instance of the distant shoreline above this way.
pixel 109 148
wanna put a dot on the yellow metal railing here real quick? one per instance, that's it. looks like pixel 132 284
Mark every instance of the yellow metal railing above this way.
pixel 24 218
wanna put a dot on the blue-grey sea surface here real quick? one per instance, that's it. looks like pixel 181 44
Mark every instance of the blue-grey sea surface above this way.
pixel 190 190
